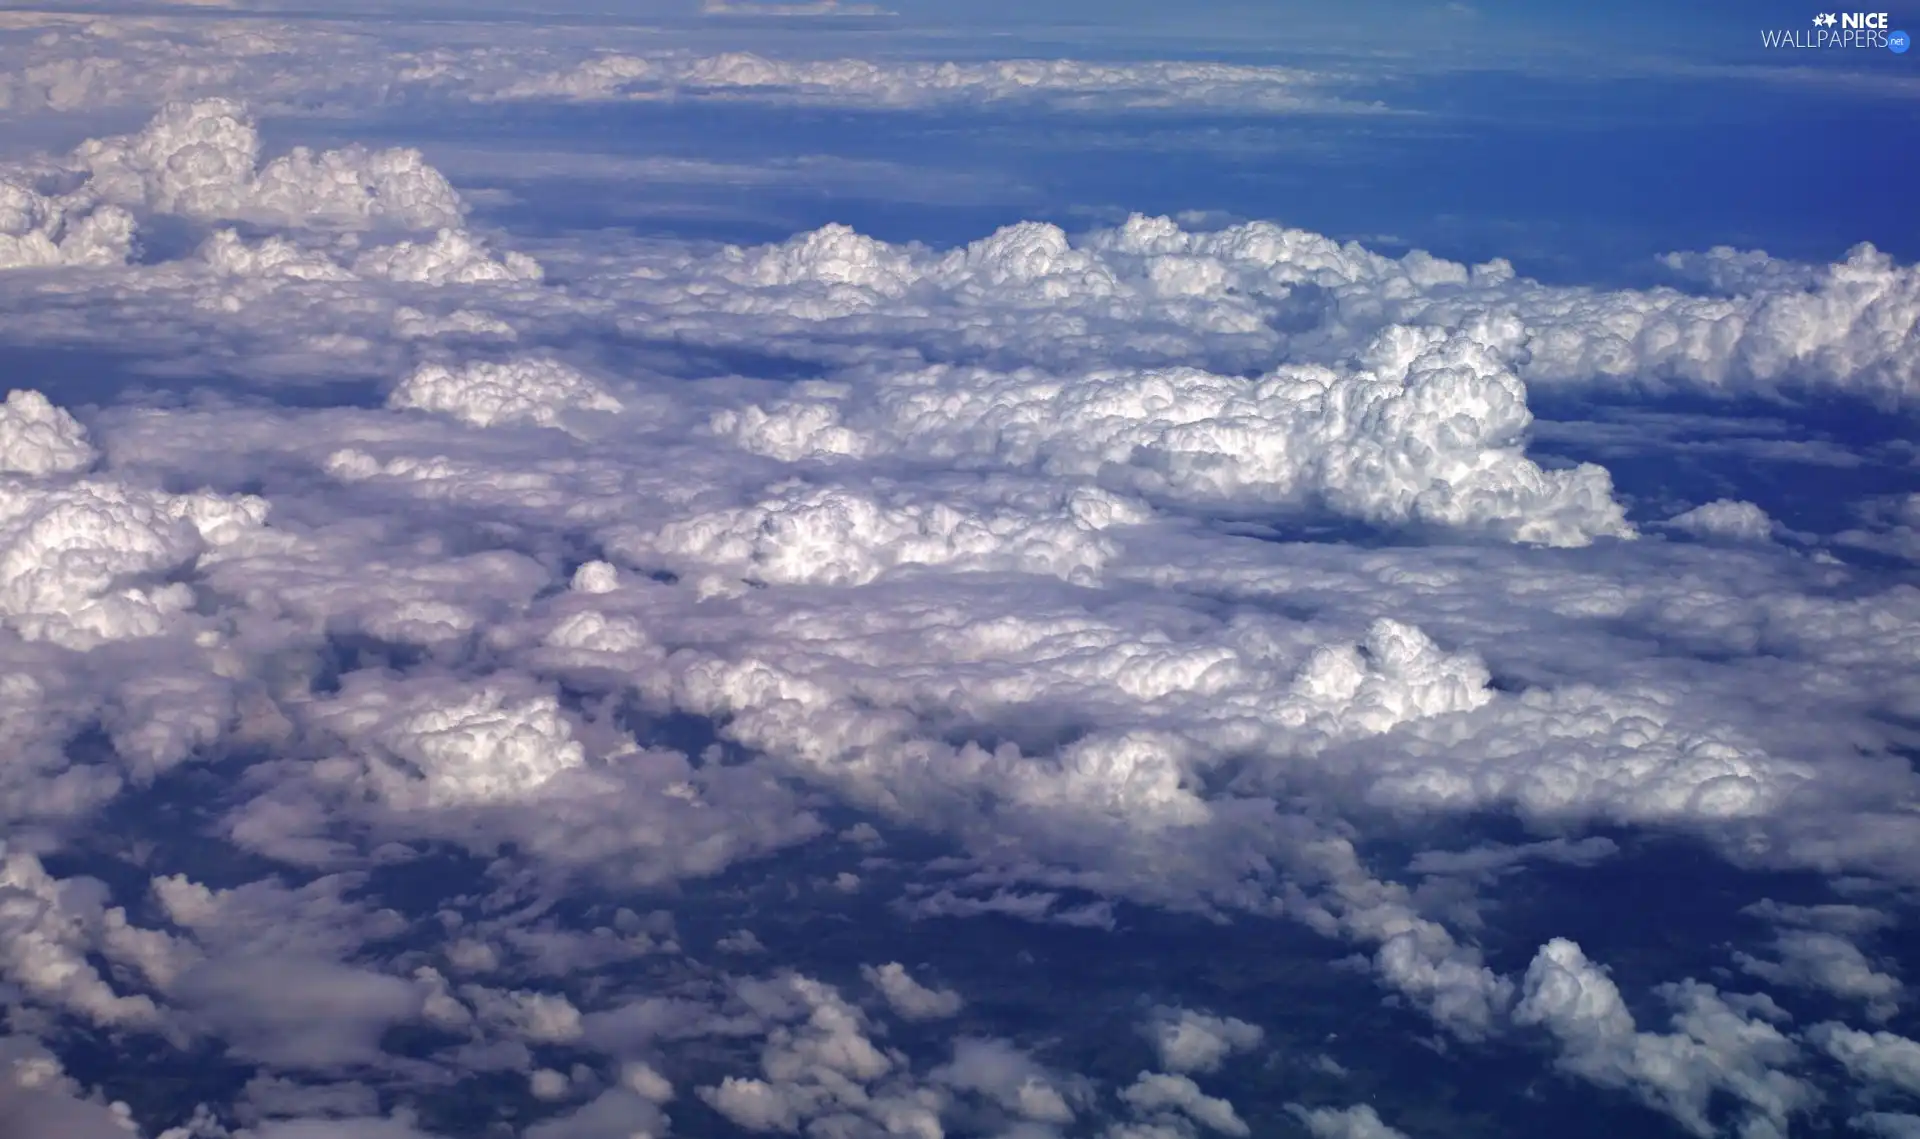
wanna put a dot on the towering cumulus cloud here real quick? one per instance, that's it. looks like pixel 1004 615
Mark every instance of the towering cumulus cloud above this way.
pixel 202 160
pixel 37 438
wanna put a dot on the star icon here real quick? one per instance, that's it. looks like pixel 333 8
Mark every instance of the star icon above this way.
pixel 1825 20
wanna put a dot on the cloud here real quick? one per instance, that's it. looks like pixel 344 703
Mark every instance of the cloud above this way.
pixel 86 562
pixel 1148 291
pixel 613 1114
pixel 47 943
pixel 1189 1041
pixel 909 998
pixel 1726 520
pixel 1487 861
pixel 1063 84
pixel 808 8
pixel 820 1067
pixel 1157 1091
pixel 543 1018
pixel 40 231
pixel 452 257
pixel 202 159
pixel 1357 1122
pixel 1882 1058
pixel 1829 963
pixel 1887 1124
pixel 485 746
pixel 37 438
pixel 533 390
pixel 360 1128
pixel 1720 1046
pixel 1354 1122
pixel 90 61
pixel 38 1100
pixel 1427 433
pixel 294 1014
pixel 1009 1077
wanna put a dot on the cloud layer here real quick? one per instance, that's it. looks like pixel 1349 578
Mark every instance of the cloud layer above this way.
pixel 543 704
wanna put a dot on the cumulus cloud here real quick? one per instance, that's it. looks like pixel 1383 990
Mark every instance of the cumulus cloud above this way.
pixel 87 562
pixel 202 159
pixel 452 257
pixel 1357 1122
pixel 1157 1091
pixel 1189 1041
pixel 532 390
pixel 48 938
pixel 1488 861
pixel 40 230
pixel 909 998
pixel 38 1100
pixel 475 748
pixel 1429 432
pixel 1152 292
pixel 820 1067
pixel 1011 1078
pixel 1727 520
pixel 1721 1046
pixel 831 536
pixel 1830 963
pixel 37 438
pixel 1883 1058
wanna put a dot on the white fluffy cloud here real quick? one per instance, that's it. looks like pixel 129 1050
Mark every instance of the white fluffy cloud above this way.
pixel 1011 1078
pixel 452 257
pixel 37 438
pixel 1150 291
pixel 1720 1046
pixel 43 230
pixel 87 562
pixel 1158 1092
pixel 834 536
pixel 1428 432
pixel 1357 1122
pixel 1189 1041
pixel 532 390
pixel 40 1101
pixel 46 943
pixel 202 159
pixel 1883 1058
pixel 909 998
pixel 1828 962
pixel 476 748
pixel 1726 519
